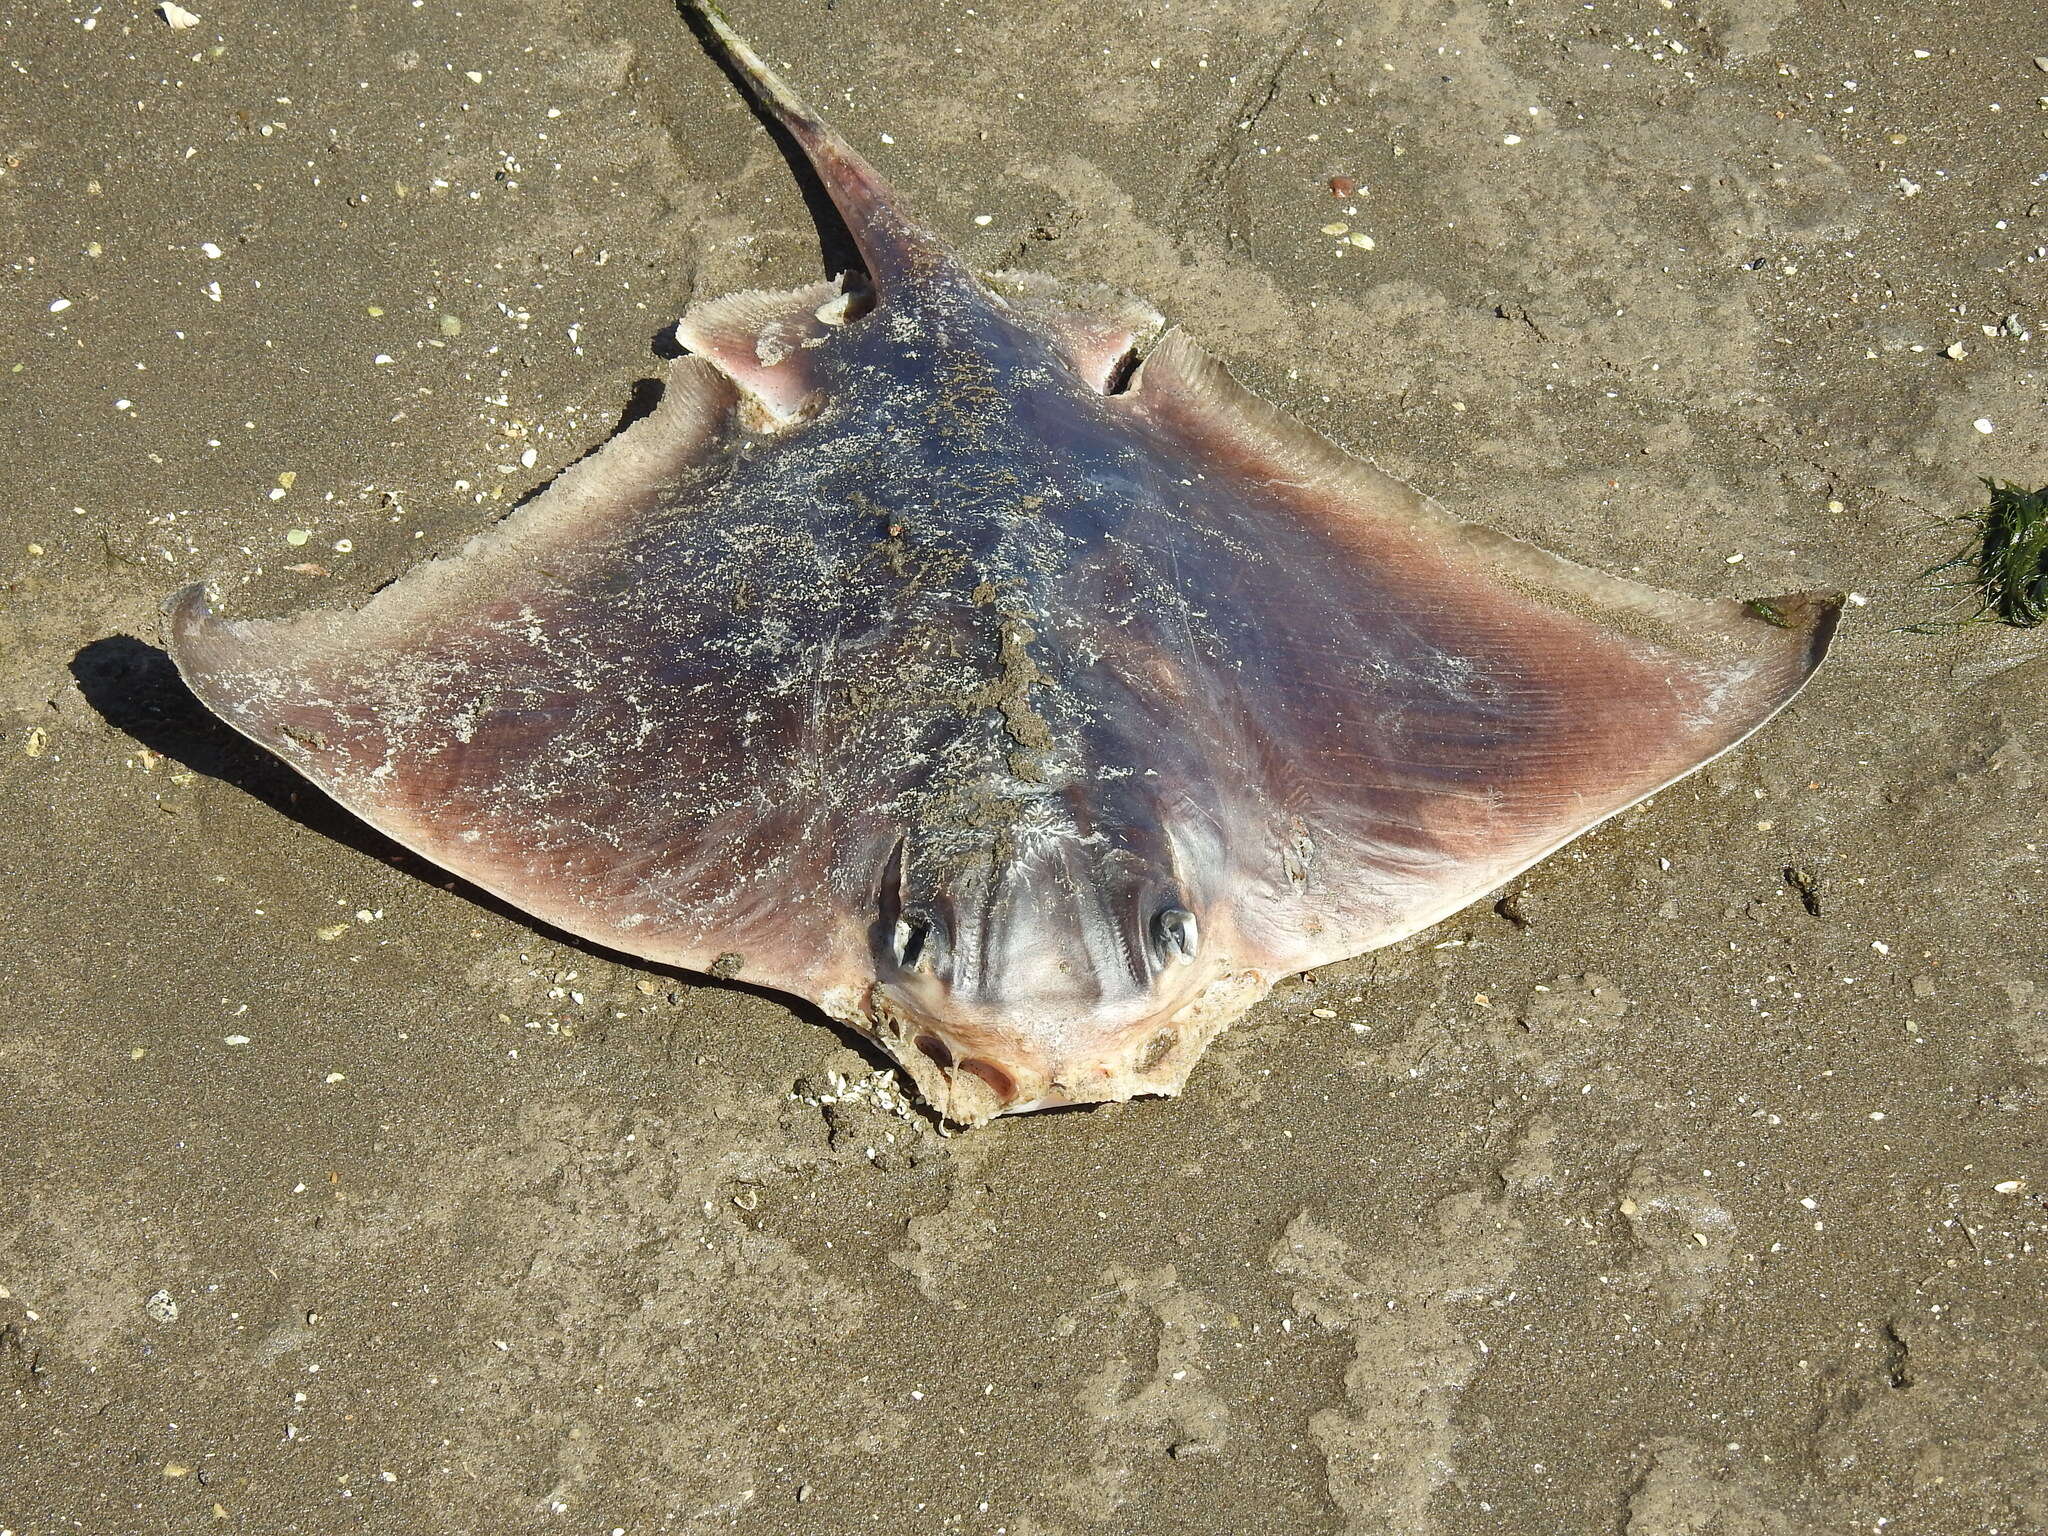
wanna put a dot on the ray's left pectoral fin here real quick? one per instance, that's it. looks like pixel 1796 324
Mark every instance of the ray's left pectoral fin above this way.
pixel 1444 704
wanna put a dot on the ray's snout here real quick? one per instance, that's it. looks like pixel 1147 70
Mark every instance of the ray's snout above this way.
pixel 1064 976
pixel 975 1068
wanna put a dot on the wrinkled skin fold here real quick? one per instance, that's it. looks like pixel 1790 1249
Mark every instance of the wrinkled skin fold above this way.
pixel 1032 725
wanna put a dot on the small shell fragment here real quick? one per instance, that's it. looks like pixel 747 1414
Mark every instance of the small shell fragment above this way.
pixel 176 17
pixel 836 310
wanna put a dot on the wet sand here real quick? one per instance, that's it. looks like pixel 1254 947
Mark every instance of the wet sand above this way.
pixel 1695 1187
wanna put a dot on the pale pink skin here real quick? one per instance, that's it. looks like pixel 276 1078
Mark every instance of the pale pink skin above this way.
pixel 1031 724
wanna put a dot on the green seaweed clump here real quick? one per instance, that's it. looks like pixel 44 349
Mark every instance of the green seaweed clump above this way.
pixel 2007 560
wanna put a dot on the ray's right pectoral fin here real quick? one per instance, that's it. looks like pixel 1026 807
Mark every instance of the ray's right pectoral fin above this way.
pixel 278 681
pixel 1098 329
pixel 510 712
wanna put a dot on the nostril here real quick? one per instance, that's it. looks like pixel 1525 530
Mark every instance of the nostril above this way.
pixel 1158 1050
pixel 1003 1085
pixel 936 1049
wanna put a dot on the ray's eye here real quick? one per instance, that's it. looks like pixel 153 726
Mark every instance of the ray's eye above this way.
pixel 911 941
pixel 1176 935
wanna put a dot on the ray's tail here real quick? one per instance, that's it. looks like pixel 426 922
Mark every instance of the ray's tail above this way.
pixel 902 255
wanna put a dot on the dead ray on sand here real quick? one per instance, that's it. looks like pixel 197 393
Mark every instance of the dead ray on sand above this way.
pixel 973 657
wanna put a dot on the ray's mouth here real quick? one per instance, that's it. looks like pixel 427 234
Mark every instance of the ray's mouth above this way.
pixel 971 1080
pixel 998 1080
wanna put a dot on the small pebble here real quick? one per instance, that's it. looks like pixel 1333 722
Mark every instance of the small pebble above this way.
pixel 58 306
pixel 1342 186
pixel 1336 229
pixel 2012 1186
pixel 1955 351
pixel 297 536
pixel 1363 242
pixel 1985 425
pixel 1323 1013
pixel 176 17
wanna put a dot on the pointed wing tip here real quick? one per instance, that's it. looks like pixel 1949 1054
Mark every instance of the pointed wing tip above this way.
pixel 1811 616
pixel 210 653
pixel 193 632
pixel 187 605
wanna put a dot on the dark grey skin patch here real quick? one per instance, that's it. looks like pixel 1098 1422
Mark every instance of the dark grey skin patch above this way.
pixel 1032 726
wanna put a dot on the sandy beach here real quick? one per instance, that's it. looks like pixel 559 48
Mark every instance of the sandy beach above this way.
pixel 1696 1185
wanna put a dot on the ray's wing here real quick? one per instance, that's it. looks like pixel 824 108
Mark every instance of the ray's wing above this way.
pixel 562 719
pixel 1427 706
pixel 571 712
